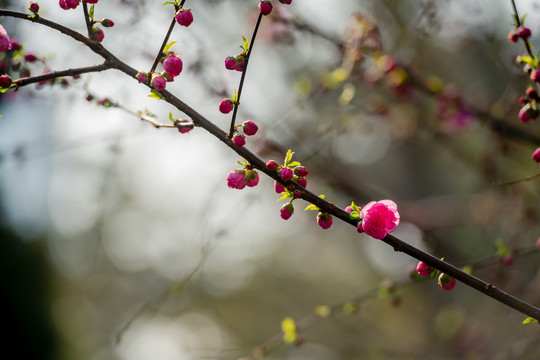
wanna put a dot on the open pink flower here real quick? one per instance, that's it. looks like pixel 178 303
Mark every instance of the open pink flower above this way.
pixel 379 218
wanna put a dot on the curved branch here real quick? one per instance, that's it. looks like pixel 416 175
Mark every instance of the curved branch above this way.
pixel 68 72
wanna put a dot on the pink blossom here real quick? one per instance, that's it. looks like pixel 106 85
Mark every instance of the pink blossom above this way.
pixel 184 17
pixel 523 32
pixel 379 218
pixel 142 77
pixel 286 211
pixel 302 182
pixel 250 128
pixel 507 259
pixel 30 57
pixel 230 63
pixel 240 62
pixel 324 220
pixel 536 155
pixel 300 171
pixel 239 140
pixel 69 4
pixel 107 23
pixel 5 42
pixel 265 7
pixel 272 165
pixel 185 128
pixel 90 1
pixel 423 269
pixel 5 81
pixel 34 7
pixel 286 174
pixel 446 282
pixel 535 75
pixel 173 65
pixel 158 82
pixel 236 179
pixel 226 105
pixel 252 178
pixel 278 188
pixel 513 36
pixel 349 209
pixel 286 2
pixel 527 112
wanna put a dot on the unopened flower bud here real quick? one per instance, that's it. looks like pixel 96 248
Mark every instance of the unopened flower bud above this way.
pixel 142 77
pixel 535 155
pixel 107 23
pixel 278 188
pixel 272 165
pixel 265 7
pixel 5 81
pixel 286 211
pixel 523 32
pixel 252 178
pixel 225 106
pixel 98 33
pixel 239 140
pixel 34 7
pixel 184 17
pixel 286 174
pixel 446 282
pixel 423 269
pixel 236 179
pixel 173 65
pixel 300 171
pixel 250 128
pixel 158 82
pixel 324 220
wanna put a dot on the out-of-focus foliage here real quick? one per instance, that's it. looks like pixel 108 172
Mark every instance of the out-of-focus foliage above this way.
pixel 153 256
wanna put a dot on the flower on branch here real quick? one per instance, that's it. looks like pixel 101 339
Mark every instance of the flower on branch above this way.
pixel 69 4
pixel 226 105
pixel 5 42
pixel 286 211
pixel 184 17
pixel 265 7
pixel 324 220
pixel 379 218
pixel 423 269
pixel 446 282
pixel 173 65
pixel 236 179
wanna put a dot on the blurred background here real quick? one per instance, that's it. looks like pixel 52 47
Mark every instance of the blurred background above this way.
pixel 122 241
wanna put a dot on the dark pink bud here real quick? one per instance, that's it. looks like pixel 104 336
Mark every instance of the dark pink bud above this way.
pixel 278 188
pixel 230 63
pixel 184 127
pixel 272 165
pixel 158 82
pixel 535 75
pixel 99 34
pixel 297 193
pixel 5 81
pixel 286 211
pixel 5 42
pixel 507 259
pixel 527 113
pixel 535 155
pixel 302 182
pixel 142 77
pixel 236 179
pixel 90 1
pixel 250 128
pixel 240 62
pixel 173 65
pixel 184 17
pixel 531 93
pixel 69 4
pixel 446 282
pixel 423 269
pixel 252 178
pixel 30 57
pixel 34 7
pixel 286 174
pixel 167 76
pixel 225 106
pixel 286 2
pixel 239 140
pixel 513 36
pixel 522 100
pixel 523 32
pixel 265 7
pixel 324 220
pixel 107 23
pixel 300 171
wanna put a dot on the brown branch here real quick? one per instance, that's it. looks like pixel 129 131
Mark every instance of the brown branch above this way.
pixel 56 74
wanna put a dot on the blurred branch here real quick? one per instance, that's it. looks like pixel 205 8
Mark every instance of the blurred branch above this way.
pixel 68 72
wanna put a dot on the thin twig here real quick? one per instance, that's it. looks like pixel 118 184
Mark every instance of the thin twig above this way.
pixel 91 34
pixel 241 86
pixel 512 182
pixel 62 73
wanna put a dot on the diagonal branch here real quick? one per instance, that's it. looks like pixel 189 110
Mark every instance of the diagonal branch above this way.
pixel 68 72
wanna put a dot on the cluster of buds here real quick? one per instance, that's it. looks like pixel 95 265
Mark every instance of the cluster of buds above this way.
pixel 97 33
pixel 172 66
pixel 445 281
pixel 519 32
pixel 72 4
pixel 529 110
pixel 240 178
pixel 249 128
pixel 236 62
pixel 377 218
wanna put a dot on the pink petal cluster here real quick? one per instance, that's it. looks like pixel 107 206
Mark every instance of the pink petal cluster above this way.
pixel 90 1
pixel 158 82
pixel 379 218
pixel 184 17
pixel 142 77
pixel 69 4
pixel 173 65
pixel 286 2
pixel 250 128
pixel 301 181
pixel 5 81
pixel 34 7
pixel 301 171
pixel 278 188
pixel 286 174
pixel 5 42
pixel 423 269
pixel 107 22
pixel 324 220
pixel 239 140
pixel 252 178
pixel 226 105
pixel 99 34
pixel 272 165
pixel 236 179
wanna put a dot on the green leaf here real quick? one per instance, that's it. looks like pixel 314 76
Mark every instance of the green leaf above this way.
pixel 171 117
pixel 155 94
pixel 235 98
pixel 246 44
pixel 285 195
pixel 322 196
pixel 501 248
pixel 91 12
pixel 523 17
pixel 312 207
pixel 168 3
pixel 288 327
pixel 295 163
pixel 288 157
pixel 527 59
pixel 168 46
pixel 354 216
pixel 529 320
pixel 354 207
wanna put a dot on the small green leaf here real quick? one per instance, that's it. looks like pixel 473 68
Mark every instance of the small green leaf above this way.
pixel 288 157
pixel 235 98
pixel 155 94
pixel 168 3
pixel 91 12
pixel 351 308
pixel 295 163
pixel 354 207
pixel 323 311
pixel 171 117
pixel 354 216
pixel 285 195
pixel 322 196
pixel 523 17
pixel 312 207
pixel 527 59
pixel 288 327
pixel 168 46
pixel 501 248
pixel 246 44
pixel 529 320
